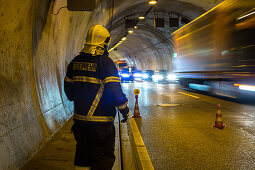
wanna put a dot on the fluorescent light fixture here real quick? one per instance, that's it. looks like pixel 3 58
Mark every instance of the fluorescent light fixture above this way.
pixel 141 17
pixel 246 15
pixel 153 2
pixel 130 31
pixel 124 38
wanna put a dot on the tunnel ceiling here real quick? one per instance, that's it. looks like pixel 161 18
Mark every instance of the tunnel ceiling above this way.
pixel 149 47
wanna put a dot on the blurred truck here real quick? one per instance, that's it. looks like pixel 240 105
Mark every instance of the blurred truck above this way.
pixel 216 52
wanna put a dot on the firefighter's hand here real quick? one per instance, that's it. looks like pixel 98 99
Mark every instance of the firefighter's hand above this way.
pixel 125 118
pixel 125 113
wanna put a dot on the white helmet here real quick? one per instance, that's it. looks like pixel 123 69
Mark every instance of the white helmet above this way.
pixel 97 40
pixel 98 35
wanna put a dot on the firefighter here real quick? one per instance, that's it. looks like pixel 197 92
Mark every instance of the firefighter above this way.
pixel 93 84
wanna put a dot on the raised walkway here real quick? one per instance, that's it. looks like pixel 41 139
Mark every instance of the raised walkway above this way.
pixel 58 152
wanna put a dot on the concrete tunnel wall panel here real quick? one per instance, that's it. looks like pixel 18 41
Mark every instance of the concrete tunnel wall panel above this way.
pixel 38 47
pixel 20 122
pixel 56 49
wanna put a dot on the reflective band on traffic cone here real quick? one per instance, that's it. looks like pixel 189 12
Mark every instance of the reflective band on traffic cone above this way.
pixel 136 111
pixel 219 122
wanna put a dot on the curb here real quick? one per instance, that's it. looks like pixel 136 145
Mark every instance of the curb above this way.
pixel 142 158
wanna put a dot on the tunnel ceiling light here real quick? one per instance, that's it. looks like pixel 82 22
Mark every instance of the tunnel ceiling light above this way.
pixel 246 15
pixel 141 17
pixel 124 38
pixel 113 48
pixel 153 2
pixel 130 31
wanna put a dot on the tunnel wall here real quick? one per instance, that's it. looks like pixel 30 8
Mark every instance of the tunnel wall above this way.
pixel 35 50
pixel 21 122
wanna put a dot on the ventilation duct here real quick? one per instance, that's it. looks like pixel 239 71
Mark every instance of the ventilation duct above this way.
pixel 174 22
pixel 130 23
pixel 185 21
pixel 81 5
pixel 159 22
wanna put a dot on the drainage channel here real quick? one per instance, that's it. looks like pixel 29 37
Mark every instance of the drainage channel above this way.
pixel 120 143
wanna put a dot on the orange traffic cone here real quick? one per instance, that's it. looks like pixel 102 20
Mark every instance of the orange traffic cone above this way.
pixel 219 122
pixel 136 112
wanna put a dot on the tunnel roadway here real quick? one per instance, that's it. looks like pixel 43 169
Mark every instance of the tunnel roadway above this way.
pixel 176 127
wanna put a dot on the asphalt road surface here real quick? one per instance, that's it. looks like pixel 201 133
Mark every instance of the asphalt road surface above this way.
pixel 176 127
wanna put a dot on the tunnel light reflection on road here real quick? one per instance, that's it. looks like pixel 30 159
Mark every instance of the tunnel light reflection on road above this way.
pixel 145 76
pixel 157 77
pixel 146 85
pixel 138 84
pixel 171 77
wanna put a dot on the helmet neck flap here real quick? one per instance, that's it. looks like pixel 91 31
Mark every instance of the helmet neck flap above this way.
pixel 97 41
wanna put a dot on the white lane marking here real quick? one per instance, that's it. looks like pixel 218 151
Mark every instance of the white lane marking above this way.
pixel 167 105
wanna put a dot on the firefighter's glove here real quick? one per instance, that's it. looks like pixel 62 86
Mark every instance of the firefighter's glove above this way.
pixel 124 113
pixel 124 120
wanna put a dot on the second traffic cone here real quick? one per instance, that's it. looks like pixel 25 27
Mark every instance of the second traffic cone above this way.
pixel 136 111
pixel 219 122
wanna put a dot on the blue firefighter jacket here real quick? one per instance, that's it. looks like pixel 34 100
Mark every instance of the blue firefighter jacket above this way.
pixel 93 83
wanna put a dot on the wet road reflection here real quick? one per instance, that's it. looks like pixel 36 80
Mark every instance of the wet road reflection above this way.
pixel 177 130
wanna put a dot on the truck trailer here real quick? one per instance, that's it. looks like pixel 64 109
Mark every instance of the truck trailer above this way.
pixel 216 52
